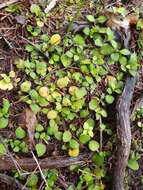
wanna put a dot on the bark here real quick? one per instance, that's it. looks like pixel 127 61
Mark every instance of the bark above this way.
pixel 29 164
pixel 123 133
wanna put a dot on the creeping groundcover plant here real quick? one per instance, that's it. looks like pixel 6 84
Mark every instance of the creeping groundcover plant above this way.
pixel 67 86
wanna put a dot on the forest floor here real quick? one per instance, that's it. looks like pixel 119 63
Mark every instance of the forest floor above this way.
pixel 71 95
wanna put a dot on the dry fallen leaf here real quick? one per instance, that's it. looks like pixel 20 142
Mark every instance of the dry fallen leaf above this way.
pixel 133 19
pixel 30 124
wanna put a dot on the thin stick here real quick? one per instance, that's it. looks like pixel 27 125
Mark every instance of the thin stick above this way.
pixel 42 175
pixel 6 4
pixel 101 134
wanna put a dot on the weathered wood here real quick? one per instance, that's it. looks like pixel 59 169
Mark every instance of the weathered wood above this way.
pixel 123 133
pixel 29 164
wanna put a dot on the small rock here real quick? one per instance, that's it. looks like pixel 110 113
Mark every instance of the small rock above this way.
pixel 20 19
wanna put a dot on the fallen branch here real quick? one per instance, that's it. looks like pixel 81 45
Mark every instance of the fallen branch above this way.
pixel 123 121
pixel 29 164
pixel 6 4
pixel 12 182
pixel 124 133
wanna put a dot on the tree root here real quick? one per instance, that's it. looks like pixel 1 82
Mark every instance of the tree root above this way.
pixel 29 164
pixel 124 133
pixel 12 182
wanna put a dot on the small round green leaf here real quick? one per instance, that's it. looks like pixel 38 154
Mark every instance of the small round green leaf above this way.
pixel 106 49
pixel 58 135
pixel 115 56
pixel 63 82
pixel 67 136
pixel 73 144
pixel 35 9
pixel 109 99
pixel 40 149
pixel 32 180
pixel 133 164
pixel 125 52
pixel 101 19
pixel 98 42
pixel 93 104
pixel 79 40
pixel 66 61
pixel 90 18
pixel 52 114
pixel 93 145
pixel 2 149
pixel 3 122
pixel 25 86
pixel 20 133
pixel 98 159
pixel 84 138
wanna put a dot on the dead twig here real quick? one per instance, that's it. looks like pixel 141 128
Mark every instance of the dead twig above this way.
pixel 30 124
pixel 101 134
pixel 6 4
pixel 29 164
pixel 12 182
pixel 42 175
